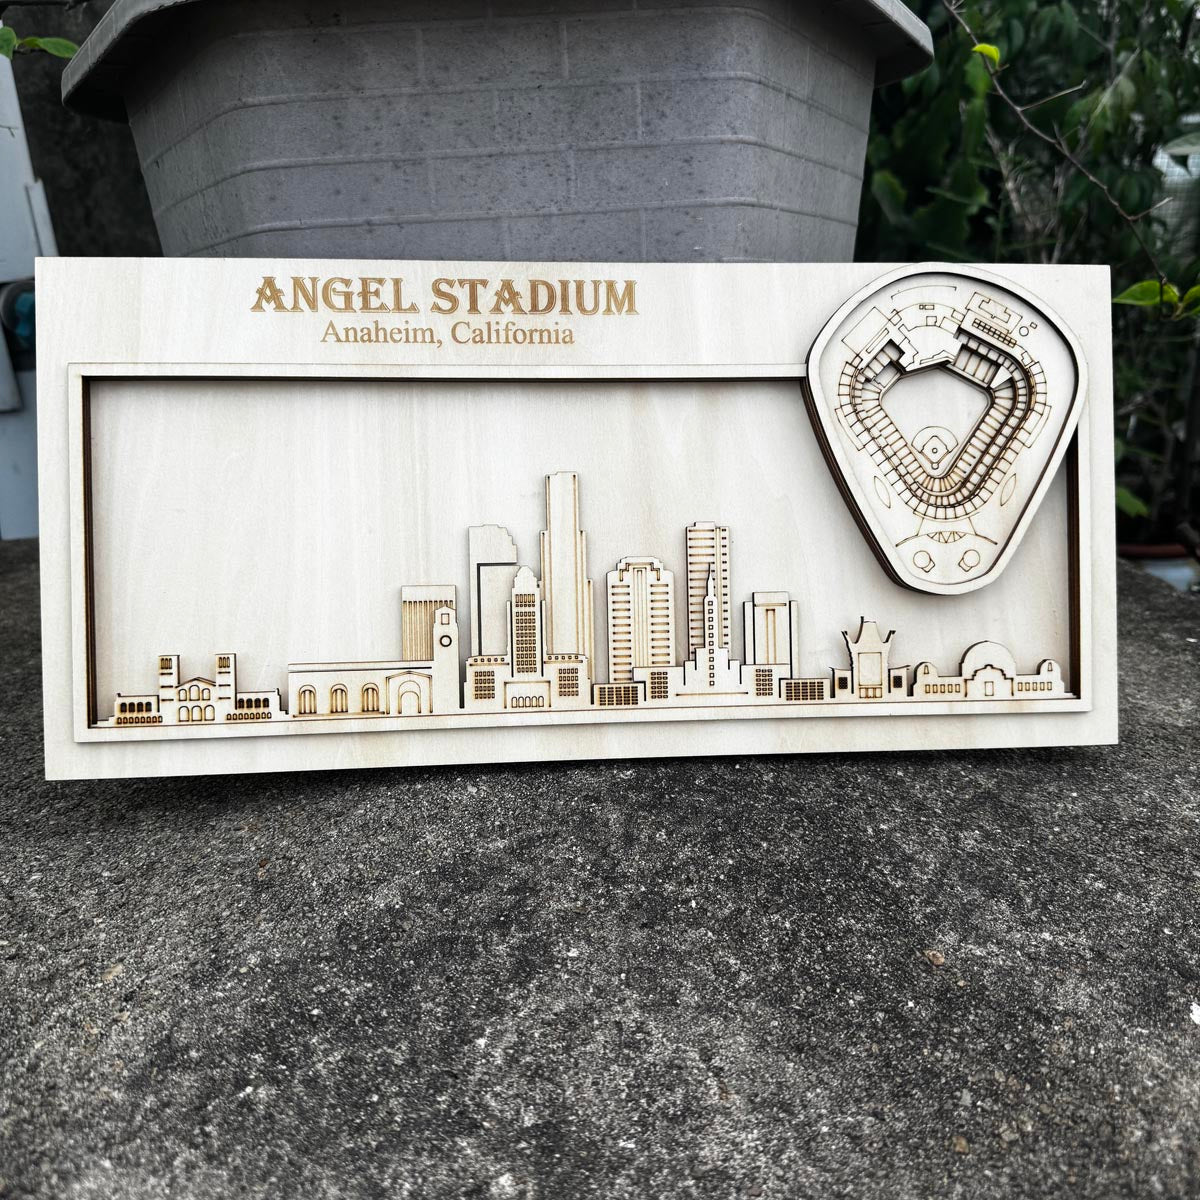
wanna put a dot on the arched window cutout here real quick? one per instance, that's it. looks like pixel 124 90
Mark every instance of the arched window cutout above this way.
pixel 338 699
pixel 370 698
pixel 308 701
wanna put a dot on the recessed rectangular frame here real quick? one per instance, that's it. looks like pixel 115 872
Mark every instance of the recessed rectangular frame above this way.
pixel 74 324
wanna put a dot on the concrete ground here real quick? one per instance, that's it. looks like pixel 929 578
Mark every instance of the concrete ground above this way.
pixel 911 975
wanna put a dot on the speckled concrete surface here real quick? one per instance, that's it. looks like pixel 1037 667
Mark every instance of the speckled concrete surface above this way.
pixel 905 976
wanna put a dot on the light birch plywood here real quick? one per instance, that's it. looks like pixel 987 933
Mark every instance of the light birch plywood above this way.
pixel 945 402
pixel 299 511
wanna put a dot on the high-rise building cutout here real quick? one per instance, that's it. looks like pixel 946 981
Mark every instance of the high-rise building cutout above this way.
pixel 641 617
pixel 770 627
pixel 492 556
pixel 570 623
pixel 708 553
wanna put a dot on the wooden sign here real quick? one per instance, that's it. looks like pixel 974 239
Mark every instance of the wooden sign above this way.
pixel 303 515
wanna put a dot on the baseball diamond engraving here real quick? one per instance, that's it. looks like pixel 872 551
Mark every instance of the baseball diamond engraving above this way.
pixel 926 389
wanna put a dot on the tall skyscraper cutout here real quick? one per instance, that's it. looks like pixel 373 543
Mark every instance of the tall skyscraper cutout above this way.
pixel 570 623
pixel 708 554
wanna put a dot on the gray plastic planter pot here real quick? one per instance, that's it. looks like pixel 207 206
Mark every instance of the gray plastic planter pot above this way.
pixel 569 129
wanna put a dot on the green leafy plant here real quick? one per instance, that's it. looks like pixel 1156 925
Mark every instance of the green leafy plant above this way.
pixel 11 44
pixel 1044 132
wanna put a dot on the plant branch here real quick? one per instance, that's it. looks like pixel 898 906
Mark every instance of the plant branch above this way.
pixel 1056 96
pixel 1060 147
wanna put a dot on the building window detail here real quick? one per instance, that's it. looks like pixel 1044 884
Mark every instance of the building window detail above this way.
pixel 658 685
pixel 485 685
pixel 617 695
pixel 339 701
pixel 184 714
pixel 763 680
pixel 222 662
pixel 210 713
pixel 164 664
pixel 308 701
pixel 804 689
pixel 370 698
pixel 568 681
pixel 525 636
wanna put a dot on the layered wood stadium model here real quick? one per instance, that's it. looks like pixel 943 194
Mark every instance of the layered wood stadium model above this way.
pixel 944 478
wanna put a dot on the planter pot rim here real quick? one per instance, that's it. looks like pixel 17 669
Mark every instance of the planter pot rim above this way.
pixel 129 33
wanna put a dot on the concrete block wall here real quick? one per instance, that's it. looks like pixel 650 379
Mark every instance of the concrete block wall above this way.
pixel 572 130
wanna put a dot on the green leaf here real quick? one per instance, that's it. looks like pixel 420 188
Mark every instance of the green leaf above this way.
pixel 1131 505
pixel 8 39
pixel 970 201
pixel 1147 294
pixel 59 47
pixel 974 126
pixel 979 78
pixel 1016 35
pixel 1076 192
pixel 890 195
pixel 1068 24
pixel 1180 147
pixel 1118 98
pixel 988 51
pixel 1191 301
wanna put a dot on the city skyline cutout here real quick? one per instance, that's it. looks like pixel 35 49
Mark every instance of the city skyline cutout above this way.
pixel 532 647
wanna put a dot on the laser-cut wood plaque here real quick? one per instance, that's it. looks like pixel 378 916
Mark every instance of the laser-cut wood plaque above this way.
pixel 313 514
